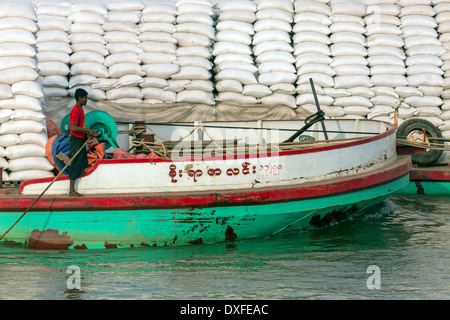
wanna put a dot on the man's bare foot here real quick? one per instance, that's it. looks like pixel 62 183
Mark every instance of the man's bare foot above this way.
pixel 75 194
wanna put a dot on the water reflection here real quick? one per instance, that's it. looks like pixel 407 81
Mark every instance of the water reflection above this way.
pixel 407 237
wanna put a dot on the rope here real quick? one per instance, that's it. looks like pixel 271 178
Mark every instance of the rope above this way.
pixel 163 150
pixel 169 124
pixel 133 132
pixel 430 145
pixel 152 147
pixel 429 138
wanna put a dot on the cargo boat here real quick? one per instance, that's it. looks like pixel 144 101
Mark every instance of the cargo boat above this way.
pixel 240 180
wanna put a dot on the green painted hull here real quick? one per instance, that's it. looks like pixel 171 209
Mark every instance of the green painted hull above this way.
pixel 164 227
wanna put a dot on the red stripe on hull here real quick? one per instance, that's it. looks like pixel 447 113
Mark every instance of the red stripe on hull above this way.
pixel 335 186
pixel 441 173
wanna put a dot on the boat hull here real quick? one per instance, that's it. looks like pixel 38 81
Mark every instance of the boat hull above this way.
pixel 429 181
pixel 96 222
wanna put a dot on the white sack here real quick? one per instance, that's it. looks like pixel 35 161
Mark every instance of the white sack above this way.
pixel 30 163
pixel 13 75
pixel 24 150
pixel 28 88
pixel 29 175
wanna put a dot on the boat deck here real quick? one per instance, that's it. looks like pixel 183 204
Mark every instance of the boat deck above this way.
pixel 438 172
pixel 8 192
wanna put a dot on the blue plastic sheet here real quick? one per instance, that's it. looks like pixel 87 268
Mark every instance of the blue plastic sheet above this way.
pixel 61 144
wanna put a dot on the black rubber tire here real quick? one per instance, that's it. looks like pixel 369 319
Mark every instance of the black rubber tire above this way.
pixel 431 156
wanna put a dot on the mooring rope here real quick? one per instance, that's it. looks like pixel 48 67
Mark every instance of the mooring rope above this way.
pixel 163 150
pixel 425 145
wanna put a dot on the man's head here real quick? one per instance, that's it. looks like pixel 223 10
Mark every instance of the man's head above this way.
pixel 81 96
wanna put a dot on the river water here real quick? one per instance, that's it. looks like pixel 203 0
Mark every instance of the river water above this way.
pixel 399 250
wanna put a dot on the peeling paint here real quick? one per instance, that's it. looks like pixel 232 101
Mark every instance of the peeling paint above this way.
pixel 222 220
pixel 420 189
pixel 188 167
pixel 11 242
pixel 203 228
pixel 110 245
pixel 197 241
pixel 335 215
pixel 49 239
pixel 229 234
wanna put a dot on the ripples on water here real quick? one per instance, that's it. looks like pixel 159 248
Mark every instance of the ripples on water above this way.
pixel 406 237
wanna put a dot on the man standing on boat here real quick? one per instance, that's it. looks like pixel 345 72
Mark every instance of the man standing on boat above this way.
pixel 78 137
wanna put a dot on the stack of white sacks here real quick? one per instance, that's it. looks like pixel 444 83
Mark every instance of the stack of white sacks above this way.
pixel 348 49
pixel 312 57
pixel 88 48
pixel 442 9
pixel 97 82
pixel 194 35
pixel 423 50
pixel 22 136
pixel 273 52
pixel 53 48
pixel 122 40
pixel 234 65
pixel 366 57
pixel 386 59
pixel 158 55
